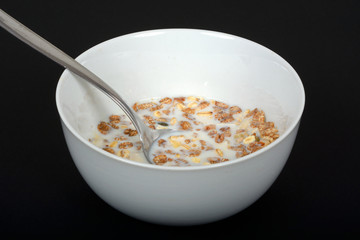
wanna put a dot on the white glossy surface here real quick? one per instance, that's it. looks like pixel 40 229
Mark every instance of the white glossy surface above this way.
pixel 181 62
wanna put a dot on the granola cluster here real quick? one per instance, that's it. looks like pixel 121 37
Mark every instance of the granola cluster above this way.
pixel 210 131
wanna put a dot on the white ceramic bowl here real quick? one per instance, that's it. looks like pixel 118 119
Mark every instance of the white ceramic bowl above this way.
pixel 181 62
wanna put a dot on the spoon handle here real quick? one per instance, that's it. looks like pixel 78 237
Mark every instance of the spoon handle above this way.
pixel 40 44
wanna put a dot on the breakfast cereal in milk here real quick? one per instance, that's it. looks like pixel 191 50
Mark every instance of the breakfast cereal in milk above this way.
pixel 209 132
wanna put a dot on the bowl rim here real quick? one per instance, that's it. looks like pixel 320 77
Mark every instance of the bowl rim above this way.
pixel 211 33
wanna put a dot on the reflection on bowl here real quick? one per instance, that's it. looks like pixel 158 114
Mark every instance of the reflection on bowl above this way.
pixel 181 62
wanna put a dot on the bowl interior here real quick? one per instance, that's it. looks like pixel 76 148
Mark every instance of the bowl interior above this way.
pixel 181 62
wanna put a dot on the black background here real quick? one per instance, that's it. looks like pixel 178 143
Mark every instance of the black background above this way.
pixel 317 192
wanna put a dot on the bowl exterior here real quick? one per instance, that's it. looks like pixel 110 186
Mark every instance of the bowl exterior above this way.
pixel 173 197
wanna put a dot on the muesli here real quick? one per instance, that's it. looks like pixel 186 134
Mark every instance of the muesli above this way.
pixel 211 132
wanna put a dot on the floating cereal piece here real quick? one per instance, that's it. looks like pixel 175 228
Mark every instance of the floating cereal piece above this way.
pixel 103 127
pixel 166 100
pixel 160 159
pixel 185 125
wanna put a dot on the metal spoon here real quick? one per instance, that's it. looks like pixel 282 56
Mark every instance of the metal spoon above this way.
pixel 147 136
